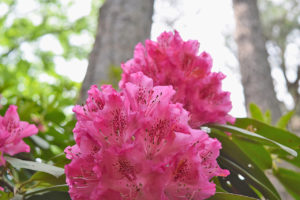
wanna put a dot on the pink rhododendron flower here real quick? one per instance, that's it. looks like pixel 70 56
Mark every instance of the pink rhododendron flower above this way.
pixel 12 131
pixel 172 61
pixel 137 144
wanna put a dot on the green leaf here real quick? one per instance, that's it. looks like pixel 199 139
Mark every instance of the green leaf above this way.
pixel 290 180
pixel 48 178
pixel 279 135
pixel 60 160
pixel 229 196
pixel 63 187
pixel 55 116
pixel 287 157
pixel 255 112
pixel 256 150
pixel 55 149
pixel 284 120
pixel 218 184
pixel 17 163
pixel 233 158
pixel 52 195
pixel 268 117
pixel 6 195
pixel 254 180
pixel 250 135
pixel 233 183
pixel 219 189
pixel 40 141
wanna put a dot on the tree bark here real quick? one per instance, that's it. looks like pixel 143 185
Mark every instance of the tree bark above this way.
pixel 255 69
pixel 252 55
pixel 121 25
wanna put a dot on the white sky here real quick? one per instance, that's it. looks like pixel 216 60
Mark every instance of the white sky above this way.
pixel 202 20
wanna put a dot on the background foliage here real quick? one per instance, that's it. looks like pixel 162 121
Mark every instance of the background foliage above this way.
pixel 29 80
pixel 27 72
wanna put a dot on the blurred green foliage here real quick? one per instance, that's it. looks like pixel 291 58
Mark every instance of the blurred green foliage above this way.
pixel 28 77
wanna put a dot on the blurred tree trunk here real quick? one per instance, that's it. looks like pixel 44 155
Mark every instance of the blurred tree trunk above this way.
pixel 279 22
pixel 252 55
pixel 121 25
pixel 255 69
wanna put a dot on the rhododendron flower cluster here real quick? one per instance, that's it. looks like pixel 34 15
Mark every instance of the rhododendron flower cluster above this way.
pixel 137 144
pixel 12 131
pixel 172 61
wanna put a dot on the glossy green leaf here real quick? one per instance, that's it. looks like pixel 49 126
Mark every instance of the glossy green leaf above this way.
pixel 287 157
pixel 251 135
pixel 48 178
pixel 50 169
pixel 290 180
pixel 255 150
pixel 219 189
pixel 60 160
pixel 276 134
pixel 53 195
pixel 63 187
pixel 284 120
pixel 218 184
pixel 234 158
pixel 254 180
pixel 229 196
pixel 235 183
